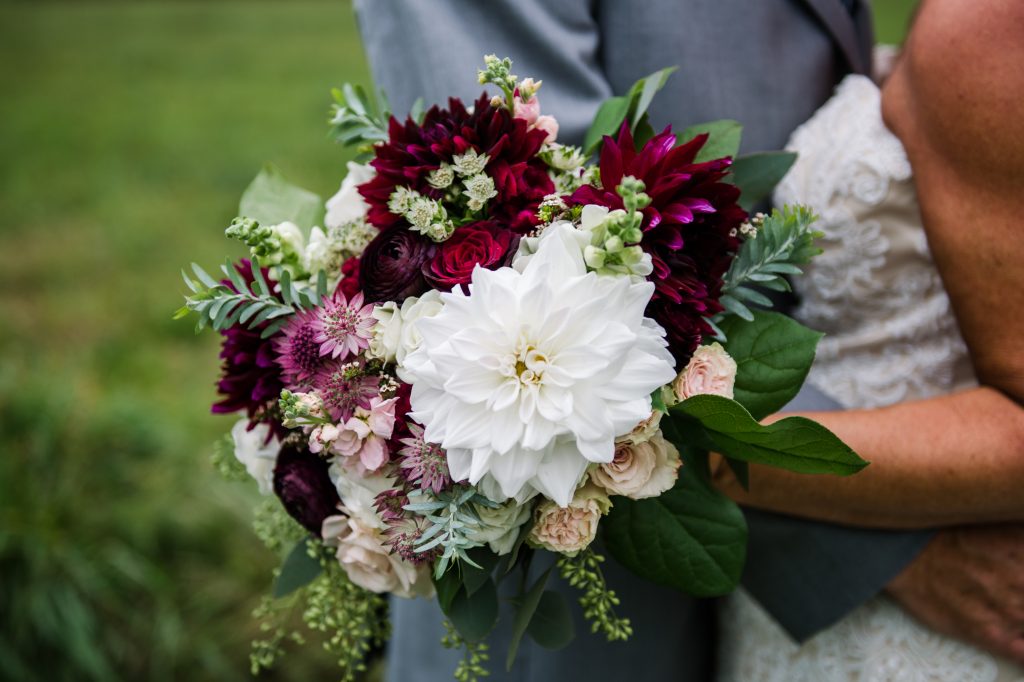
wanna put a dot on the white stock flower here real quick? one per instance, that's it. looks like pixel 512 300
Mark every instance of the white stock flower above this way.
pixel 347 204
pixel 292 239
pixel 501 526
pixel 711 371
pixel 532 376
pixel 254 451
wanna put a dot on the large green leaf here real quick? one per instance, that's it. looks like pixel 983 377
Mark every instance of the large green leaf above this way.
pixel 271 199
pixel 633 106
pixel 794 443
pixel 691 538
pixel 525 608
pixel 757 174
pixel 474 616
pixel 642 94
pixel 552 626
pixel 475 577
pixel 723 139
pixel 773 354
pixel 607 121
pixel 298 570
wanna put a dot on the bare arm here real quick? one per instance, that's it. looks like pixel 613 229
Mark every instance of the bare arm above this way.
pixel 956 101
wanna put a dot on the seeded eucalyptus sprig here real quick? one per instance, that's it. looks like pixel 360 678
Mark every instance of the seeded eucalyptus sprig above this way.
pixel 775 245
pixel 583 572
pixel 222 306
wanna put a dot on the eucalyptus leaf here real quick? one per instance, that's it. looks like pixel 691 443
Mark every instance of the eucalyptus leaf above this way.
pixel 475 616
pixel 795 443
pixel 271 199
pixel 773 354
pixel 447 586
pixel 757 175
pixel 691 538
pixel 298 570
pixel 723 139
pixel 552 626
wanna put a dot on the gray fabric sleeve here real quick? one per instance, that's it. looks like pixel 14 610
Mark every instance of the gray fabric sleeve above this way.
pixel 431 49
pixel 809 574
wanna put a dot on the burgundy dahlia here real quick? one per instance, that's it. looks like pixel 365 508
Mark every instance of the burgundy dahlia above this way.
pixel 483 243
pixel 689 227
pixel 391 266
pixel 250 378
pixel 302 483
pixel 414 150
pixel 348 286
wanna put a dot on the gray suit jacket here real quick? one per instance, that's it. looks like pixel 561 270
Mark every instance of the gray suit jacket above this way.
pixel 766 63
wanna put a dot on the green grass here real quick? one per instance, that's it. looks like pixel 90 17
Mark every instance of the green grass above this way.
pixel 127 133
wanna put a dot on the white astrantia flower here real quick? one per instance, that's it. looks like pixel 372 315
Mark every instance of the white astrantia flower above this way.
pixel 532 375
pixel 348 204
pixel 256 452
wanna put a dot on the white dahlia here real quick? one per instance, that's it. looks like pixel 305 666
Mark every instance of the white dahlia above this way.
pixel 531 376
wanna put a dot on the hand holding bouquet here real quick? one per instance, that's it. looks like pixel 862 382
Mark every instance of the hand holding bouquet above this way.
pixel 492 349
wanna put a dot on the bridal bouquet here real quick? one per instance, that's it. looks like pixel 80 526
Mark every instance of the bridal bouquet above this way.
pixel 492 349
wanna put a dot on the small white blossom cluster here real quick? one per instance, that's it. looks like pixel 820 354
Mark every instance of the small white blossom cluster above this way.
pixel 425 215
pixel 750 228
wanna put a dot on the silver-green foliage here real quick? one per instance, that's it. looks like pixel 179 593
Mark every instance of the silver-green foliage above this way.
pixel 451 517
pixel 222 306
pixel 784 240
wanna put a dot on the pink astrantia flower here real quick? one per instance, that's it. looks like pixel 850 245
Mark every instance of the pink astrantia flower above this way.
pixel 344 387
pixel 423 463
pixel 298 351
pixel 345 326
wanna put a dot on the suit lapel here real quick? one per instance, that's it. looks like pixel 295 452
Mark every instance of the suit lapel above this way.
pixel 844 31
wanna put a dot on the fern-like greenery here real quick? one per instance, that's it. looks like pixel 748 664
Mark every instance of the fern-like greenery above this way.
pixel 784 240
pixel 222 306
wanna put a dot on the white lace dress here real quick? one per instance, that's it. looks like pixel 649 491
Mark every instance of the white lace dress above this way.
pixel 890 337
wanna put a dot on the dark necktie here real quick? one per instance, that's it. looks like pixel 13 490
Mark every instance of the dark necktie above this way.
pixel 849 5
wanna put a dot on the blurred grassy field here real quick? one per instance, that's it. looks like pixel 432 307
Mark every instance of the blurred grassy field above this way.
pixel 127 133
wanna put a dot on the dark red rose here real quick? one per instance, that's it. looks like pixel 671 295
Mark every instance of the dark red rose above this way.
pixel 688 228
pixel 302 483
pixel 482 243
pixel 391 267
pixel 349 283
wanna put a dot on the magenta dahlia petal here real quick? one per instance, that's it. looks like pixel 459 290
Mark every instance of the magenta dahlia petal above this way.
pixel 688 228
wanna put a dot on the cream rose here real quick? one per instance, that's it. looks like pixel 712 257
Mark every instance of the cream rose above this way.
pixel 567 530
pixel 501 526
pixel 348 204
pixel 711 370
pixel 413 309
pixel 387 333
pixel 640 470
pixel 368 562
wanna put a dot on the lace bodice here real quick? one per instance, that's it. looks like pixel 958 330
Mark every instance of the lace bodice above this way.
pixel 890 334
pixel 890 337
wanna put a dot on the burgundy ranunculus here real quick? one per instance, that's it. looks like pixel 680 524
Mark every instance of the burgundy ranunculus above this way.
pixel 413 150
pixel 483 243
pixel 250 377
pixel 688 228
pixel 302 483
pixel 390 268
